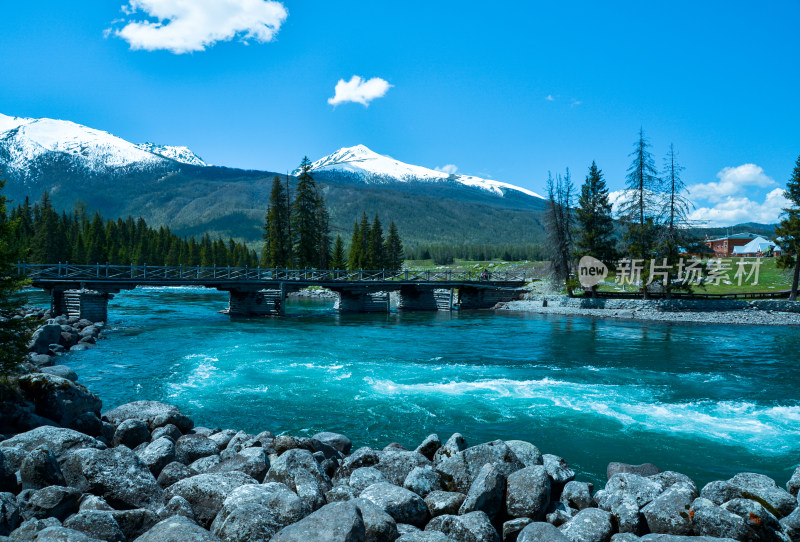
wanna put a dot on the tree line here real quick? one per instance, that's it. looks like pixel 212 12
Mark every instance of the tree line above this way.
pixel 39 234
pixel 297 232
pixel 447 254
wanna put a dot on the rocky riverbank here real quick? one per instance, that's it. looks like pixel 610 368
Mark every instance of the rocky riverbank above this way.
pixel 711 312
pixel 143 471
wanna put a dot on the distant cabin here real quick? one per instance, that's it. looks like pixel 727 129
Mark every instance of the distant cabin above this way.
pixel 723 247
pixel 756 248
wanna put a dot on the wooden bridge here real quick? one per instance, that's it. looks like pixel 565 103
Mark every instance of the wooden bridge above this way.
pixel 84 290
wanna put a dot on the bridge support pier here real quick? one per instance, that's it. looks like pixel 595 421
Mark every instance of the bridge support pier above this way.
pixel 414 298
pixel 485 298
pixel 256 303
pixel 362 301
pixel 89 305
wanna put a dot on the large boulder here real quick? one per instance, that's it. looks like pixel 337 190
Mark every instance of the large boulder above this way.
pixel 528 493
pixel 207 492
pixel 97 524
pixel 364 477
pixel 403 505
pixel 174 472
pixel 668 513
pixel 396 465
pixel 154 413
pixel 9 514
pixel 429 446
pixel 158 454
pixel 709 519
pixel 461 469
pixel 444 503
pixel 764 490
pixel 190 448
pixel 60 370
pixel 422 480
pixel 300 471
pixel 58 399
pixel 131 433
pixel 645 469
pixel 335 440
pixel 526 452
pixel 542 532
pixel 251 461
pixel 558 470
pixel 487 493
pixel 50 502
pixel 578 495
pixel 589 525
pixel 271 506
pixel 177 529
pixel 116 474
pixel 43 337
pixel 135 523
pixel 337 522
pixel 454 444
pixel 8 480
pixel 472 527
pixel 40 469
pixel 363 457
pixel 378 525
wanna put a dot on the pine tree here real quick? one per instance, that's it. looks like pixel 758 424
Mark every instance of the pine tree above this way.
pixel 788 231
pixel 559 226
pixel 323 260
pixel 14 332
pixel 338 259
pixel 363 242
pixel 305 223
pixel 375 255
pixel 594 218
pixel 353 257
pixel 676 207
pixel 278 245
pixel 393 249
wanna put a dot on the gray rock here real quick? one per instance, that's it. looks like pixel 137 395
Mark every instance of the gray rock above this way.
pixel 423 480
pixel 513 527
pixel 246 522
pixel 405 528
pixel 158 454
pixel 719 492
pixel 337 522
pixel 364 477
pixel 285 507
pixel 60 370
pixel 80 347
pixel 625 537
pixel 131 433
pixel 756 517
pixel 41 360
pixel 30 528
pixel 59 440
pixel 222 438
pixel 363 457
pixel 177 506
pixel 624 486
pixel 791 525
pixel 542 532
pixel 341 493
pixel 40 469
pixel 589 525
pixel 454 444
pixel 645 469
pixel 154 413
pixel 669 512
pixel 251 461
pixel 472 527
pixel 487 493
pixel 10 517
pixel 204 464
pixel 559 513
pixel 335 440
pixel 528 493
pixel 403 505
pixel 625 512
pixel 526 452
pixel 670 478
pixel 8 480
pixel 174 472
pixel 557 469
pixel 429 446
pixel 58 399
pixel 93 502
pixel 97 524
pixel 764 490
pixel 190 448
pixel 177 529
pixel 378 525
pixel 396 465
pixel 207 492
pixel 62 534
pixel 135 523
pixel 297 469
pixel 709 519
pixel 43 337
pixel 461 469
pixel 578 495
pixel 167 431
pixel 54 501
pixel 441 503
pixel 98 472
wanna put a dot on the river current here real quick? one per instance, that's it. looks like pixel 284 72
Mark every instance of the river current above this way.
pixel 705 400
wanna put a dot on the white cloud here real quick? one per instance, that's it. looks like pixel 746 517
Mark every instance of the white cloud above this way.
pixel 450 169
pixel 732 210
pixel 183 26
pixel 732 181
pixel 549 98
pixel 359 90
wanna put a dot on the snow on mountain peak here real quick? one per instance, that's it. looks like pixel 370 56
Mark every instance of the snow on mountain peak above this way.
pixel 362 160
pixel 179 154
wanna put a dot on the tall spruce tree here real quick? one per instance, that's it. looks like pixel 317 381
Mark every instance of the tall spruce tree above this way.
pixel 375 255
pixel 338 259
pixel 638 204
pixel 309 222
pixel 354 256
pixel 594 219
pixel 278 244
pixel 14 332
pixel 323 234
pixel 788 231
pixel 393 249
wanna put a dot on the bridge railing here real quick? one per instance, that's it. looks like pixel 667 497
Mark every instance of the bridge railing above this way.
pixel 68 272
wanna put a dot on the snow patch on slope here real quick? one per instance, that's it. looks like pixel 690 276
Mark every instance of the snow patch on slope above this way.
pixel 179 154
pixel 361 160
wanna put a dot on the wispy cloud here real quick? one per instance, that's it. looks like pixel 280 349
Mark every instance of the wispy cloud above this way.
pixel 549 98
pixel 359 90
pixel 450 169
pixel 732 180
pixel 184 26
pixel 737 210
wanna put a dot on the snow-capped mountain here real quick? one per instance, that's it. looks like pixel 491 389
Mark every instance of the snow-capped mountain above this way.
pixel 26 143
pixel 374 167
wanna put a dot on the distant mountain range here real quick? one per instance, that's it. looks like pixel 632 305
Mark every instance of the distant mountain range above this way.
pixel 173 186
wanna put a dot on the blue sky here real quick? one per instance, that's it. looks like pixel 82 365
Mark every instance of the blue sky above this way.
pixel 506 91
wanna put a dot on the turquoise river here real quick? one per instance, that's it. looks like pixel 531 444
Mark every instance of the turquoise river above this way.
pixel 705 400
